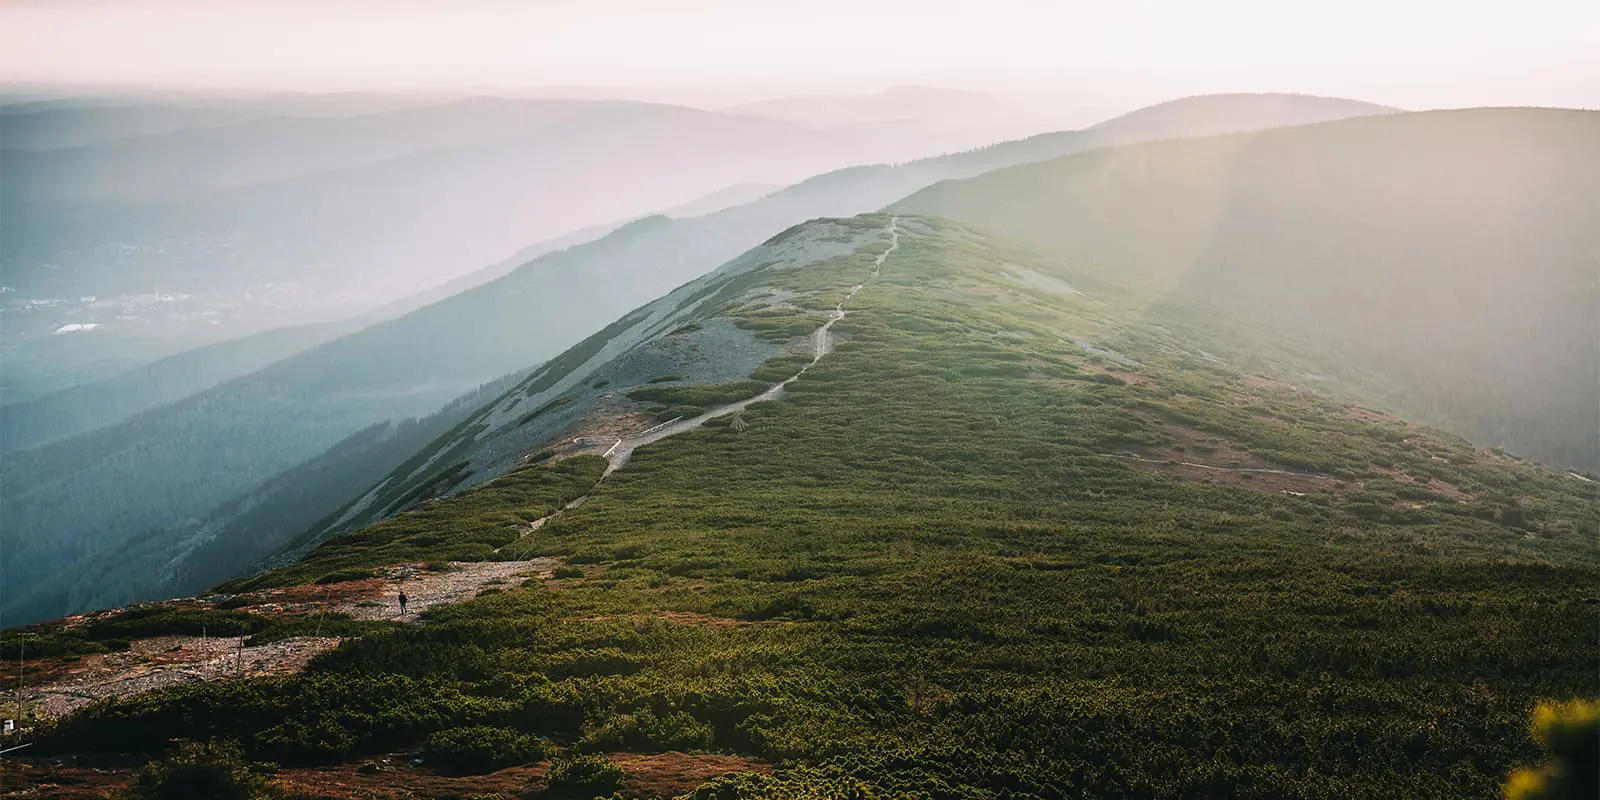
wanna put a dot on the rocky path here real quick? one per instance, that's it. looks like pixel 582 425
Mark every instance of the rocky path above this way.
pixel 150 664
pixel 162 661
pixel 622 451
pixel 424 590
pixel 169 660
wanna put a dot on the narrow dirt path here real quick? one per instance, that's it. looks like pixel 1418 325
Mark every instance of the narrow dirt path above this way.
pixel 622 451
pixel 424 590
pixel 164 661
pixel 535 525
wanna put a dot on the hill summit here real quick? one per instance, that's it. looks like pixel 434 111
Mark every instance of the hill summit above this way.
pixel 887 507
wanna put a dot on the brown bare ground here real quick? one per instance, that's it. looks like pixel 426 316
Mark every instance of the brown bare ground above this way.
pixel 312 598
pixel 1202 448
pixel 1213 459
pixel 60 686
pixel 653 775
pixel 65 686
pixel 424 590
pixel 396 777
pixel 613 417
pixel 1260 481
pixel 667 774
pixel 1434 484
pixel 42 779
pixel 393 776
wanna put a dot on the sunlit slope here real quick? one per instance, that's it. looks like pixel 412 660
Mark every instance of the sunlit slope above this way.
pixel 1003 533
pixel 1447 260
pixel 149 481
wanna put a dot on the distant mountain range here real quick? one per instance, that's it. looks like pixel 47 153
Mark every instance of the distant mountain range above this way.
pixel 176 226
pixel 1194 467
pixel 112 488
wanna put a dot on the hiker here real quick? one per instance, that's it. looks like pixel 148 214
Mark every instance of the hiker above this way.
pixel 402 603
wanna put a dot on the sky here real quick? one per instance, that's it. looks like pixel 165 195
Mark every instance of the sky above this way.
pixel 1414 53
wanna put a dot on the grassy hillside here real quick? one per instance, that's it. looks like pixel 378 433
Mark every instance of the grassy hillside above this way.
pixel 1444 262
pixel 173 465
pixel 1009 536
pixel 552 302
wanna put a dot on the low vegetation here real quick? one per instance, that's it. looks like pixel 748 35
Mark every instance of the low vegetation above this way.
pixel 921 573
pixel 115 631
pixel 479 749
pixel 583 777
pixel 211 770
pixel 470 527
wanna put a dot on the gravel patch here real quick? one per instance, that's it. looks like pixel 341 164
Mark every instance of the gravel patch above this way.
pixel 424 590
pixel 150 664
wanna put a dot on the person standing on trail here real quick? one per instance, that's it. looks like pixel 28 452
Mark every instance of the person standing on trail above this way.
pixel 402 603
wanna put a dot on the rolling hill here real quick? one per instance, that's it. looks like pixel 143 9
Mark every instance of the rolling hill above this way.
pixel 1443 262
pixel 1225 113
pixel 78 495
pixel 288 216
pixel 886 507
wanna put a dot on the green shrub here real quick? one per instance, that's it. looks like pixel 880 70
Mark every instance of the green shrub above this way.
pixel 568 572
pixel 644 731
pixel 145 622
pixel 199 771
pixel 962 598
pixel 479 749
pixel 320 740
pixel 584 777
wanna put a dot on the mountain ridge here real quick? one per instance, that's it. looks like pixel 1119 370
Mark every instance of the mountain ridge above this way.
pixel 972 518
pixel 1463 235
pixel 535 311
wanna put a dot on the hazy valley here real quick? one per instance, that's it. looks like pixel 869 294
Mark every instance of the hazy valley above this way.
pixel 387 416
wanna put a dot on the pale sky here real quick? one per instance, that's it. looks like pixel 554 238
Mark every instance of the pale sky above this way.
pixel 1417 53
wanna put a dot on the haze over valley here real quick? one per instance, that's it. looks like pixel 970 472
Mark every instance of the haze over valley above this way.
pixel 723 401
